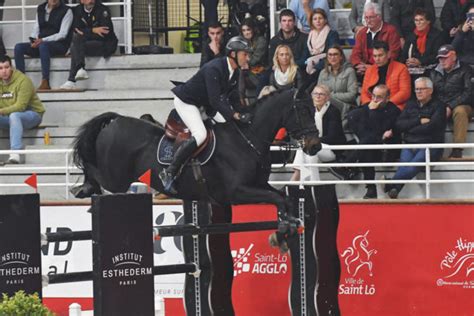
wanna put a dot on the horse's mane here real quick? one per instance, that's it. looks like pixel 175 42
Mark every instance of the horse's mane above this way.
pixel 254 106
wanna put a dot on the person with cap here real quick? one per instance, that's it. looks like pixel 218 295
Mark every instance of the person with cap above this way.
pixel 452 86
pixel 208 88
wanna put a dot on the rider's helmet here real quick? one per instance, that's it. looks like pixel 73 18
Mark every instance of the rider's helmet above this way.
pixel 237 43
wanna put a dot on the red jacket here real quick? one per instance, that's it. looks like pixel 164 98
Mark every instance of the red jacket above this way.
pixel 398 82
pixel 388 34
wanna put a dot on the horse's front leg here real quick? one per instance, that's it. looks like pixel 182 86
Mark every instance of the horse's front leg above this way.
pixel 287 224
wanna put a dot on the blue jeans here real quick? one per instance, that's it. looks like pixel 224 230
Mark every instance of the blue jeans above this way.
pixel 44 51
pixel 16 122
pixel 414 155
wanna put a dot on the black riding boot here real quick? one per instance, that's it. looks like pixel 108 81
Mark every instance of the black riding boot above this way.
pixel 181 155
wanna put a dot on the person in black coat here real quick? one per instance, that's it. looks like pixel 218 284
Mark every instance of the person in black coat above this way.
pixel 372 123
pixel 208 88
pixel 464 40
pixel 452 17
pixel 213 44
pixel 423 121
pixel 93 35
pixel 422 43
pixel 329 124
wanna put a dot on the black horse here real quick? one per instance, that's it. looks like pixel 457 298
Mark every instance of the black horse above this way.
pixel 114 150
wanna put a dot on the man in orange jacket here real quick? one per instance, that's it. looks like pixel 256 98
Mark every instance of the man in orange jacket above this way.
pixel 391 73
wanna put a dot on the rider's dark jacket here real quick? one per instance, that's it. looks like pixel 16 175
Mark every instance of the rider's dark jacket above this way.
pixel 210 88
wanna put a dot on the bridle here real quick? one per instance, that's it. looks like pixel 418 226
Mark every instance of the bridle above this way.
pixel 299 133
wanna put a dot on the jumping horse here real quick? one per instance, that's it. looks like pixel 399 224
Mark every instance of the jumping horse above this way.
pixel 114 150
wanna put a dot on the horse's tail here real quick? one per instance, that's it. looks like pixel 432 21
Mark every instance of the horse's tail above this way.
pixel 84 143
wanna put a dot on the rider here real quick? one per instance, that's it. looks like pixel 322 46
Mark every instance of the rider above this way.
pixel 208 88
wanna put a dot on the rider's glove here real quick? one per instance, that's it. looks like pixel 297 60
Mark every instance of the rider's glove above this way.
pixel 246 118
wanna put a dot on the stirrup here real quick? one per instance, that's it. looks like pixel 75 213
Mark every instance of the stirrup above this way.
pixel 168 182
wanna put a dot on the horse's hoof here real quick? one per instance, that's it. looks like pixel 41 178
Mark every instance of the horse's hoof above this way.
pixel 276 243
pixel 82 191
pixel 283 247
pixel 273 240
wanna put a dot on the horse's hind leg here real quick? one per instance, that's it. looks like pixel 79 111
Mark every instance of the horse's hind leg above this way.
pixel 90 185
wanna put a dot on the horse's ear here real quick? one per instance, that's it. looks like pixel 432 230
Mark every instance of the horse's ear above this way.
pixel 176 83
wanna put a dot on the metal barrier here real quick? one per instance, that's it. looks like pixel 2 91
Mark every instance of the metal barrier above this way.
pixel 125 39
pixel 428 164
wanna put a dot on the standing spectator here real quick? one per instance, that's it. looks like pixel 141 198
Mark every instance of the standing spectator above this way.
pixel 2 46
pixel 422 44
pixel 452 17
pixel 356 17
pixel 328 123
pixel 372 123
pixel 385 71
pixel 285 74
pixel 452 86
pixel 291 36
pixel 93 35
pixel 51 36
pixel 464 40
pixel 403 13
pixel 376 30
pixel 304 8
pixel 210 12
pixel 214 46
pixel 341 79
pixel 320 39
pixel 20 107
pixel 423 121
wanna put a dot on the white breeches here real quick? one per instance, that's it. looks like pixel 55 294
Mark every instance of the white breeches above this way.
pixel 191 116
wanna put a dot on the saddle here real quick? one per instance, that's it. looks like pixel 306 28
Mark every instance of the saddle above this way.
pixel 177 132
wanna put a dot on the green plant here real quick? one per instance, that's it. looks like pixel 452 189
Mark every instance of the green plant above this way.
pixel 22 304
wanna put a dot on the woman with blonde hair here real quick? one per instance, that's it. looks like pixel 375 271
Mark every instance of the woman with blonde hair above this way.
pixel 285 73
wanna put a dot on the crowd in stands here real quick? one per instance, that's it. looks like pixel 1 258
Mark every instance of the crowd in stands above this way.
pixel 405 79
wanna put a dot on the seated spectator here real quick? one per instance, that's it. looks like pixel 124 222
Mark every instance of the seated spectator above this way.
pixel 214 46
pixel 356 17
pixel 259 44
pixel 452 17
pixel 464 40
pixel 51 36
pixel 341 79
pixel 385 71
pixel 421 45
pixel 423 121
pixel 403 13
pixel 372 123
pixel 376 30
pixel 291 36
pixel 320 39
pixel 20 107
pixel 328 123
pixel 285 74
pixel 93 35
pixel 304 8
pixel 452 86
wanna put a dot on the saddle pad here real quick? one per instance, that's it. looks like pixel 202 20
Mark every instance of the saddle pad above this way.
pixel 166 151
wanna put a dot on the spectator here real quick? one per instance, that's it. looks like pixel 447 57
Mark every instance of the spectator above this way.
pixel 304 8
pixel 356 17
pixel 214 46
pixel 285 74
pixel 328 123
pixel 51 36
pixel 376 30
pixel 403 13
pixel 93 35
pixel 372 123
pixel 320 39
pixel 341 79
pixel 20 107
pixel 423 121
pixel 452 17
pixel 210 13
pixel 385 71
pixel 422 44
pixel 452 86
pixel 291 36
pixel 464 40
pixel 2 46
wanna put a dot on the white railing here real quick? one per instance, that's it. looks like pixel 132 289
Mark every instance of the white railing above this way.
pixel 67 167
pixel 126 19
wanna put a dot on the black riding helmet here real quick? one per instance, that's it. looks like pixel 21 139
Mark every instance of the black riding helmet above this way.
pixel 236 44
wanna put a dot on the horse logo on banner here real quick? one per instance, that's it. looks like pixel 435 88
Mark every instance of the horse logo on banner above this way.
pixel 358 255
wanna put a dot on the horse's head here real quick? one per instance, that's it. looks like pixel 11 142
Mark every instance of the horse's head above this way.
pixel 299 122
